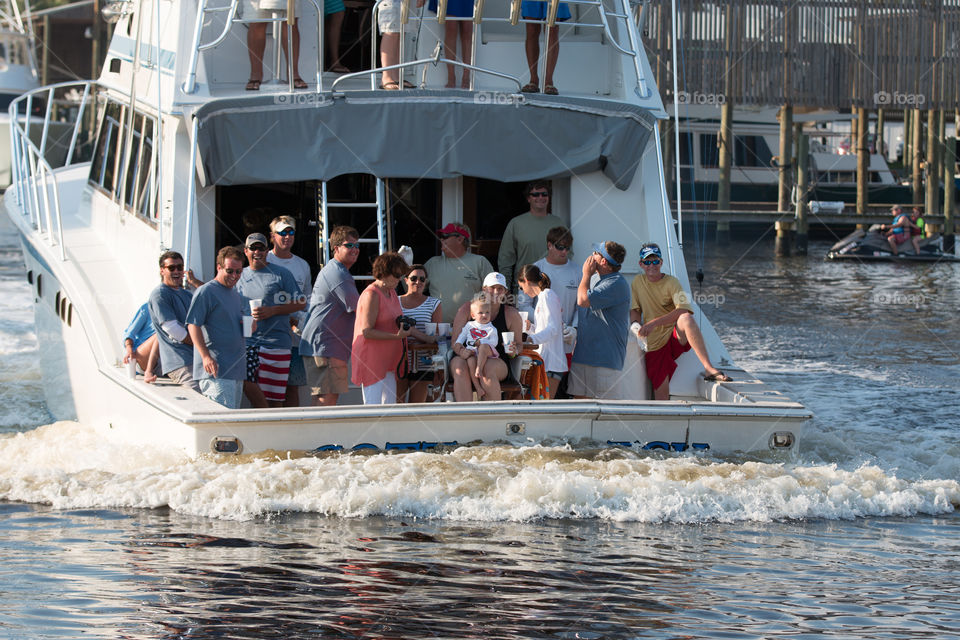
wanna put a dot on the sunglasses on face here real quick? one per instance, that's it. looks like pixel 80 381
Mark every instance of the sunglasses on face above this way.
pixel 539 194
pixel 173 267
pixel 652 262
pixel 233 272
pixel 417 278
pixel 561 247
pixel 350 245
pixel 257 247
pixel 285 232
pixel 445 236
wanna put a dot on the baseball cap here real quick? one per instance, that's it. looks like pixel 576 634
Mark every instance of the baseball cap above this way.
pixel 254 238
pixel 282 226
pixel 495 278
pixel 650 250
pixel 453 227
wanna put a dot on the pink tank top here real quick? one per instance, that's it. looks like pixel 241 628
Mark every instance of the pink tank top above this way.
pixel 372 360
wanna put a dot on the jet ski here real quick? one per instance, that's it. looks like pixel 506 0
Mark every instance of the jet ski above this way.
pixel 872 245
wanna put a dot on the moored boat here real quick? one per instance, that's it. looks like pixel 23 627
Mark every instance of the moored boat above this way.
pixel 170 151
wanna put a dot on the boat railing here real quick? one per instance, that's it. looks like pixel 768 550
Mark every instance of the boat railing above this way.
pixel 34 176
pixel 609 12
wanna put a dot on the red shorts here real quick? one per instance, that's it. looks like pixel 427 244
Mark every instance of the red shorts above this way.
pixel 663 362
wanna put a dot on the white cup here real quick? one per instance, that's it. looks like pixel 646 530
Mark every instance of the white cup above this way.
pixel 132 368
pixel 507 338
pixel 256 302
pixel 430 328
pixel 444 328
pixel 523 316
pixel 247 326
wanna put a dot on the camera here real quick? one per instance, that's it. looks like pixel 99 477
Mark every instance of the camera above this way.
pixel 406 322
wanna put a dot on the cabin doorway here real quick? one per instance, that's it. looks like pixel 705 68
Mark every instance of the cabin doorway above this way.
pixel 488 206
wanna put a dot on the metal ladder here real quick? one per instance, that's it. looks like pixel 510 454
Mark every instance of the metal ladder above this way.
pixel 379 205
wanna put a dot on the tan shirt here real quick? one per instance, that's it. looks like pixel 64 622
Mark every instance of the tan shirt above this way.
pixel 656 299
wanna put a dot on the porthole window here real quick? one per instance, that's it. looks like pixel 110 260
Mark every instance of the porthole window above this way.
pixel 39 285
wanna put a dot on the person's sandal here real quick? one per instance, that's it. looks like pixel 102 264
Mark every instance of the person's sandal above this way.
pixel 253 85
pixel 530 88
pixel 298 83
pixel 550 90
pixel 390 86
pixel 719 376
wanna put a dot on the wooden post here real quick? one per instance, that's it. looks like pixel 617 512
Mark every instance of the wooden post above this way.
pixel 97 36
pixel 803 155
pixel 930 173
pixel 45 54
pixel 907 157
pixel 725 137
pixel 916 119
pixel 784 228
pixel 878 137
pixel 669 152
pixel 949 162
pixel 863 164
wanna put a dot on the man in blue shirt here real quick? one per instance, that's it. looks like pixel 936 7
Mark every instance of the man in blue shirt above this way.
pixel 327 335
pixel 268 350
pixel 602 318
pixel 215 324
pixel 168 305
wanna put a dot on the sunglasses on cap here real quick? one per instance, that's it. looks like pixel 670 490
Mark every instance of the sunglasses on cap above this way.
pixel 350 245
pixel 285 232
pixel 651 262
pixel 539 194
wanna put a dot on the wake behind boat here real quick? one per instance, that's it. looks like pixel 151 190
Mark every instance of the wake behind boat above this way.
pixel 170 150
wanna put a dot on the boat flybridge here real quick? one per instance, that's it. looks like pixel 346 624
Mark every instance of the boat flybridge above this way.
pixel 18 71
pixel 169 151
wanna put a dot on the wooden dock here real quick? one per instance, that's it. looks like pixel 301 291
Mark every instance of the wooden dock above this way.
pixel 772 217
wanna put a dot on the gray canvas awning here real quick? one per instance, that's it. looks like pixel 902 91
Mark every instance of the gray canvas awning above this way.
pixel 420 134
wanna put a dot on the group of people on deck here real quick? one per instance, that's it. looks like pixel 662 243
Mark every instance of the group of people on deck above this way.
pixel 460 29
pixel 262 332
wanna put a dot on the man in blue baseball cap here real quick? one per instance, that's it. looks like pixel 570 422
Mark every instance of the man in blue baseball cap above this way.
pixel 663 310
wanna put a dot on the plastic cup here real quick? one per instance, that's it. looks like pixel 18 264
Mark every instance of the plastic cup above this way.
pixel 132 369
pixel 507 338
pixel 523 316
pixel 247 326
pixel 256 302
pixel 430 328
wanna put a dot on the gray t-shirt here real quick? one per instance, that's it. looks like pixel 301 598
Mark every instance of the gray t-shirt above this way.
pixel 219 311
pixel 274 286
pixel 171 305
pixel 328 331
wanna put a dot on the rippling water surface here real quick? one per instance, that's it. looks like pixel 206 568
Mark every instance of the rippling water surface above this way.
pixel 855 537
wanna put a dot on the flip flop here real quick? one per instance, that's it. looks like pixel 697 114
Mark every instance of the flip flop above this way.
pixel 338 68
pixel 253 85
pixel 550 90
pixel 719 376
pixel 530 88
pixel 298 83
pixel 390 86
pixel 408 85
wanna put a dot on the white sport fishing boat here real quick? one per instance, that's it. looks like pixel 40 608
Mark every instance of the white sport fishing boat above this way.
pixel 18 72
pixel 170 151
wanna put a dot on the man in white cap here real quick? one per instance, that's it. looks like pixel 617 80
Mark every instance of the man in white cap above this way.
pixel 283 231
pixel 455 275
pixel 504 317
pixel 662 308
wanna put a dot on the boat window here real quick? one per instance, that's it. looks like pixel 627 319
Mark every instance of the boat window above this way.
pixel 108 172
pixel 686 148
pixel 748 151
pixel 103 168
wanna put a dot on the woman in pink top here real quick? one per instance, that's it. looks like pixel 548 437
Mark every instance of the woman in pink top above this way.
pixel 378 341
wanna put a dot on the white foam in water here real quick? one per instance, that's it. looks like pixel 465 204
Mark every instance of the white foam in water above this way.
pixel 69 466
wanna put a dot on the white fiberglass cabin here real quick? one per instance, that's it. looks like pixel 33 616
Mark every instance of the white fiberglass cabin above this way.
pixel 18 73
pixel 170 151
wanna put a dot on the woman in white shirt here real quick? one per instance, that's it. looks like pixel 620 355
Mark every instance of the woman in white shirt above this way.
pixel 546 329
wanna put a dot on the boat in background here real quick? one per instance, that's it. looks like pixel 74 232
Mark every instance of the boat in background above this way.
pixel 872 245
pixel 18 72
pixel 169 151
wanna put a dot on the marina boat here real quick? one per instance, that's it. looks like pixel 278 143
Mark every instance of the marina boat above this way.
pixel 754 175
pixel 170 151
pixel 18 73
pixel 872 245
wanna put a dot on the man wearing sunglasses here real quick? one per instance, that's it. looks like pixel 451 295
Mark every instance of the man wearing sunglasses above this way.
pixel 168 305
pixel 327 335
pixel 523 238
pixel 663 310
pixel 282 235
pixel 215 324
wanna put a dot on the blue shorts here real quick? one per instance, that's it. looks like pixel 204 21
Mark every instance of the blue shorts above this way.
pixel 537 10
pixel 332 6
pixel 227 392
pixel 298 373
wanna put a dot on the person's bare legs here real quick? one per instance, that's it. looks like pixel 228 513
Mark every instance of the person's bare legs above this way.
pixel 142 354
pixel 483 352
pixel 295 41
pixel 326 400
pixel 475 375
pixel 892 239
pixel 451 29
pixel 915 241
pixel 334 27
pixel 462 385
pixel 532 48
pixel 494 371
pixel 390 55
pixel 466 50
pixel 292 399
pixel 663 391
pixel 256 45
pixel 688 331
pixel 254 394
pixel 553 54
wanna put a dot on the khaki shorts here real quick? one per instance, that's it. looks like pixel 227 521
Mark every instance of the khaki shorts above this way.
pixel 326 375
pixel 593 382
pixel 250 10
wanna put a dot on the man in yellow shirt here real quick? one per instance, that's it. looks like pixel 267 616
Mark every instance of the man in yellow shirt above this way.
pixel 663 310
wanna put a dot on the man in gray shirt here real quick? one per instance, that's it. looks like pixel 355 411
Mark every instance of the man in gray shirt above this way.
pixel 168 306
pixel 522 242
pixel 327 336
pixel 215 324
